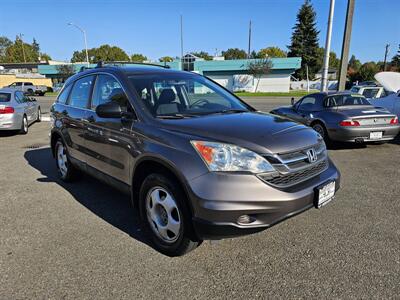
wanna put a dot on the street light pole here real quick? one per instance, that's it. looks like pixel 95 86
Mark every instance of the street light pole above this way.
pixel 324 81
pixel 84 36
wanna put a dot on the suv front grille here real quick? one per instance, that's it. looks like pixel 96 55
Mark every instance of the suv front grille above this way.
pixel 289 179
pixel 294 167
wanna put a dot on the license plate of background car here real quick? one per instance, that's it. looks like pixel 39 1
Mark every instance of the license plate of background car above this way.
pixel 376 135
pixel 326 193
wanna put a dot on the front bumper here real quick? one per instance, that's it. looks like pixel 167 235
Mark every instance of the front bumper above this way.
pixel 219 199
pixel 362 134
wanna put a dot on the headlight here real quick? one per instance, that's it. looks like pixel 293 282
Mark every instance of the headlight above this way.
pixel 226 157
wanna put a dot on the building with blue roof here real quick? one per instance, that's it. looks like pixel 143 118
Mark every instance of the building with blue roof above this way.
pixel 232 74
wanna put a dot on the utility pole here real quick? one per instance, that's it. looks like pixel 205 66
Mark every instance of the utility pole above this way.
pixel 182 43
pixel 248 50
pixel 344 61
pixel 325 69
pixel 23 48
pixel 386 54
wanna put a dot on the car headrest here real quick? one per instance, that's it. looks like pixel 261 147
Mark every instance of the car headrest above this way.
pixel 167 96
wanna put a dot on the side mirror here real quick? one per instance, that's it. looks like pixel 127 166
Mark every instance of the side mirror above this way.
pixel 109 110
pixel 292 101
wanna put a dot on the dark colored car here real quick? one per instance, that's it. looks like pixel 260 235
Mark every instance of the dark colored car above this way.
pixel 344 117
pixel 198 162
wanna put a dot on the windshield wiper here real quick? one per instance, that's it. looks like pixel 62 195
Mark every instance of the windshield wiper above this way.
pixel 230 111
pixel 176 116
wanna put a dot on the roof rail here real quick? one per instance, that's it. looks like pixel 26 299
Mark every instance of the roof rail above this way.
pixel 102 64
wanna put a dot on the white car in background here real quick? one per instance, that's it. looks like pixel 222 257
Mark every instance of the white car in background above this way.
pixel 391 82
pixel 370 92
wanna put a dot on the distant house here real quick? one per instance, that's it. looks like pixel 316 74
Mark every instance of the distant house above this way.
pixel 332 74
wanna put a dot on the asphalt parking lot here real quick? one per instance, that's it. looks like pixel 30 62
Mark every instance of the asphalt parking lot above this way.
pixel 82 240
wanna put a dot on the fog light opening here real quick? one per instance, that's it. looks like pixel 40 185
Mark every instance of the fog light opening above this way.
pixel 245 219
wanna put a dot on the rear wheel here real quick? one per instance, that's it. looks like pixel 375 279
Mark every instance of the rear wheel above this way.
pixel 66 170
pixel 320 128
pixel 166 216
pixel 24 125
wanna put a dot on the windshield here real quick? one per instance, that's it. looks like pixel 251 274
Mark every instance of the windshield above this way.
pixel 5 97
pixel 346 100
pixel 184 95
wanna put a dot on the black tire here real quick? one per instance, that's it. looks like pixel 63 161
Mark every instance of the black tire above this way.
pixel 24 125
pixel 320 128
pixel 41 94
pixel 186 240
pixel 39 116
pixel 30 92
pixel 70 173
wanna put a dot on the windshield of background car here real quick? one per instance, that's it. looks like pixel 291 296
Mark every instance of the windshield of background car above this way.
pixel 5 97
pixel 183 94
pixel 346 100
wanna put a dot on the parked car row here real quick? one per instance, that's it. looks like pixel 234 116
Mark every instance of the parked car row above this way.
pixel 198 162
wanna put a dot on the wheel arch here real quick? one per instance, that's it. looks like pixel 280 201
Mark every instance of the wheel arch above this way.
pixel 153 164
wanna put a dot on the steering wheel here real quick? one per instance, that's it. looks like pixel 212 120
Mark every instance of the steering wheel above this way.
pixel 200 101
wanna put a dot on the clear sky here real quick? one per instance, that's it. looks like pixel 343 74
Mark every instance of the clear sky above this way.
pixel 152 27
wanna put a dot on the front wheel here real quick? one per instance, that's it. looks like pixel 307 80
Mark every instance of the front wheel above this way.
pixel 66 170
pixel 166 216
pixel 24 125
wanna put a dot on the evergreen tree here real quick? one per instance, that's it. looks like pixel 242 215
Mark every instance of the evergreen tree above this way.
pixel 305 41
pixel 396 60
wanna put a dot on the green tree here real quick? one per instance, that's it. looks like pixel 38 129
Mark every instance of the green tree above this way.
pixel 259 68
pixel 5 42
pixel 396 60
pixel 234 53
pixel 203 54
pixel 19 52
pixel 304 41
pixel 354 63
pixel 366 72
pixel 166 59
pixel 271 52
pixel 137 57
pixel 66 70
pixel 45 57
pixel 102 53
pixel 334 61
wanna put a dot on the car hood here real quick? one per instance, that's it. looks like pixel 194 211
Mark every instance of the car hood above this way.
pixel 260 132
pixel 389 80
pixel 362 111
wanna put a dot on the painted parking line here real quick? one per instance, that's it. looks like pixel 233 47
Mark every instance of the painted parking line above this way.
pixel 46 119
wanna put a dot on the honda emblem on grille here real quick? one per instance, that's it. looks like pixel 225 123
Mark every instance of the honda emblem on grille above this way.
pixel 312 155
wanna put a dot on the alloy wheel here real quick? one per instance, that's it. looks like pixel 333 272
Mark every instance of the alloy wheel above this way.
pixel 62 160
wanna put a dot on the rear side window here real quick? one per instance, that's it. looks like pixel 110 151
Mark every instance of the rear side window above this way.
pixel 5 97
pixel 81 92
pixel 63 97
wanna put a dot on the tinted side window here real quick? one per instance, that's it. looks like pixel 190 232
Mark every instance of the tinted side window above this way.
pixel 63 97
pixel 81 92
pixel 308 104
pixel 108 89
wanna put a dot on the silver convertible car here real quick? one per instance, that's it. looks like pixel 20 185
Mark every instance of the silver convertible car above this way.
pixel 17 111
pixel 344 117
